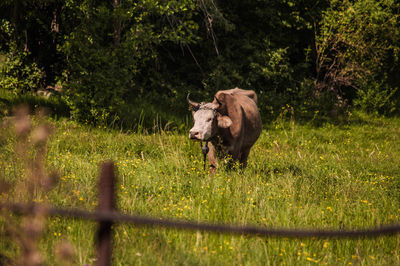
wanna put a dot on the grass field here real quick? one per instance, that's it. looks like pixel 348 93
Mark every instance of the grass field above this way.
pixel 299 176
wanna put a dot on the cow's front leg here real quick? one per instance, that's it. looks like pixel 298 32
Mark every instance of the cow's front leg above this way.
pixel 212 158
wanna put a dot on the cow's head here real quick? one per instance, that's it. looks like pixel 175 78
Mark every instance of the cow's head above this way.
pixel 207 120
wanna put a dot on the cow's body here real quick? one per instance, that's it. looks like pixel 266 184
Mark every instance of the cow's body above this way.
pixel 234 127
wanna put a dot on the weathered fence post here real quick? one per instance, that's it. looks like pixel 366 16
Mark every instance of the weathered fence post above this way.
pixel 106 203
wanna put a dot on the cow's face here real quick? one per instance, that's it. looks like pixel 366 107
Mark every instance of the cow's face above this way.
pixel 205 122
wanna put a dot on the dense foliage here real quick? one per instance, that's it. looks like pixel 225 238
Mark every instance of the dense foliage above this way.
pixel 358 53
pixel 115 60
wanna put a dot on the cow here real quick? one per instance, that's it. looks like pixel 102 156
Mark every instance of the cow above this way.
pixel 231 123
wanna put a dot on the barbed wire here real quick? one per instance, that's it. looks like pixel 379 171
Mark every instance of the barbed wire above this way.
pixel 116 217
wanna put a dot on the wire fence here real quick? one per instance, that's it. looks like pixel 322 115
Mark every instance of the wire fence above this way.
pixel 106 215
pixel 115 217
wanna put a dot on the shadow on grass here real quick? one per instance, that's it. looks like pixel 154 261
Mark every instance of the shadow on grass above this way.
pixel 140 117
pixel 148 116
pixel 55 105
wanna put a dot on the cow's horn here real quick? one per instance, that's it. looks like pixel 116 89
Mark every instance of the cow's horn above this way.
pixel 218 101
pixel 194 105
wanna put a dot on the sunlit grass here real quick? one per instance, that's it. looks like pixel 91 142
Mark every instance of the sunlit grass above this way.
pixel 299 176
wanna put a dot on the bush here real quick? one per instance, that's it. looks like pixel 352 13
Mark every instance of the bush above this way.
pixel 19 75
pixel 378 97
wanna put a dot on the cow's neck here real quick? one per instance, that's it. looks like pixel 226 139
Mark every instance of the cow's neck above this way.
pixel 222 138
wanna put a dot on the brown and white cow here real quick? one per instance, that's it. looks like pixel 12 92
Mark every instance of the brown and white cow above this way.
pixel 231 123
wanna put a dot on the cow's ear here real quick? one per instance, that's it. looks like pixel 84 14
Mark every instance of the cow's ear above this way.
pixel 220 101
pixel 224 121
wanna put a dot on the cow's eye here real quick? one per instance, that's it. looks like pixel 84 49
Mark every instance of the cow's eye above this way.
pixel 209 119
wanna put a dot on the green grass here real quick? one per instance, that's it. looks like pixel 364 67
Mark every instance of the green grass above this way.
pixel 299 176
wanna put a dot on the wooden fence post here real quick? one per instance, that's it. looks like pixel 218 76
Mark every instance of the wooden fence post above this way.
pixel 106 203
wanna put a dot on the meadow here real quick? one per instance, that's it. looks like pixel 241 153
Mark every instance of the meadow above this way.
pixel 332 176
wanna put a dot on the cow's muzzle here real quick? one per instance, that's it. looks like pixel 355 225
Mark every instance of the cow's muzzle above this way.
pixel 195 135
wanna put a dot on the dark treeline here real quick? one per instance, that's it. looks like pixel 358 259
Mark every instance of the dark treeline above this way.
pixel 123 60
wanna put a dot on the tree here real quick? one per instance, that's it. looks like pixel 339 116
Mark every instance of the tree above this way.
pixel 113 46
pixel 358 53
pixel 30 32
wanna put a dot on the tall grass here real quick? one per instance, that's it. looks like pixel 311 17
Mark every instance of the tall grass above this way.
pixel 299 176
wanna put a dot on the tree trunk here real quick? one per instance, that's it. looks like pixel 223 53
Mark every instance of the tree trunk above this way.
pixel 117 25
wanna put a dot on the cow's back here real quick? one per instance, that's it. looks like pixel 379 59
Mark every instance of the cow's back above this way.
pixel 236 91
pixel 252 125
pixel 247 122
